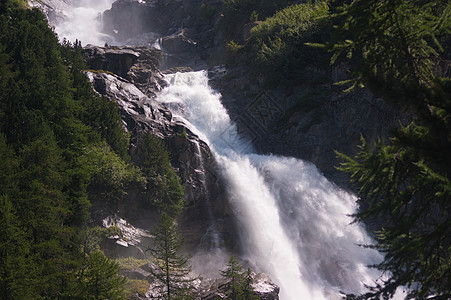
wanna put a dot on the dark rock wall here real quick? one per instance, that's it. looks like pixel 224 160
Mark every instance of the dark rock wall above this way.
pixel 310 121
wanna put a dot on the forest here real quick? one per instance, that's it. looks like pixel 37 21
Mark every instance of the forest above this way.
pixel 62 145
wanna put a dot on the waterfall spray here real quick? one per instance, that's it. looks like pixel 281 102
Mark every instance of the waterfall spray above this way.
pixel 84 23
pixel 294 223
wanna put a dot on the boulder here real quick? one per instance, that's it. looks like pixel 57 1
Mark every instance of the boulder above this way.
pixel 211 289
pixel 116 60
pixel 178 43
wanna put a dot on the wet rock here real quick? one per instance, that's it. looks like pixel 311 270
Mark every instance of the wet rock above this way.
pixel 191 157
pixel 264 287
pixel 116 60
pixel 310 121
pixel 139 65
pixel 53 9
pixel 210 289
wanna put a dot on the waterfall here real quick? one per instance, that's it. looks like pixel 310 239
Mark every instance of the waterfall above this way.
pixel 84 22
pixel 294 224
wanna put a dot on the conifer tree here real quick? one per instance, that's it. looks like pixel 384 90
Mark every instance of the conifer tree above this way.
pixel 172 268
pixel 14 266
pixel 47 118
pixel 101 279
pixel 163 185
pixel 398 48
pixel 248 290
pixel 234 275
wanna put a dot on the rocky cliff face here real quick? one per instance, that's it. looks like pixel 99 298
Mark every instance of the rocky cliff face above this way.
pixel 134 93
pixel 186 31
pixel 309 121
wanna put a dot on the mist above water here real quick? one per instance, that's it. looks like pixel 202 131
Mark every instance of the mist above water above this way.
pixel 83 22
pixel 294 224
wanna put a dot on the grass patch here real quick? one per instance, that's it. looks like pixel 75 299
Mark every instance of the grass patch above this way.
pixel 130 263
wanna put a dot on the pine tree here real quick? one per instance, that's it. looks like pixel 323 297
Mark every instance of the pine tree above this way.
pixel 248 290
pixel 234 275
pixel 164 189
pixel 14 266
pixel 101 279
pixel 397 48
pixel 172 269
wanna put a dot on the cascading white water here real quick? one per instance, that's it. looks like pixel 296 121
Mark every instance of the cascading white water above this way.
pixel 294 223
pixel 83 22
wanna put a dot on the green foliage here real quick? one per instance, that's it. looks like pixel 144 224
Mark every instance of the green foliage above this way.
pixel 49 118
pixel 136 286
pixel 254 16
pixel 234 275
pixel 101 279
pixel 238 12
pixel 164 189
pixel 130 263
pixel 278 43
pixel 108 172
pixel 396 41
pixel 234 47
pixel 396 45
pixel 239 285
pixel 14 249
pixel 172 268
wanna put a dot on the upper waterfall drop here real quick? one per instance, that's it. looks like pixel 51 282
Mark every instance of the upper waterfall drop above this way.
pixel 83 22
pixel 294 224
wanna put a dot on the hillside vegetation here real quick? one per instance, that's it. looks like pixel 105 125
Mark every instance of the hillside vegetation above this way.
pixel 61 147
pixel 400 51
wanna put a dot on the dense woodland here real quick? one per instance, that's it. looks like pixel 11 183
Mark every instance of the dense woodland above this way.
pixel 61 145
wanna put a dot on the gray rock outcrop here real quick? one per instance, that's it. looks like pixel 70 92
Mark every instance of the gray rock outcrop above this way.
pixel 141 113
pixel 262 285
pixel 186 31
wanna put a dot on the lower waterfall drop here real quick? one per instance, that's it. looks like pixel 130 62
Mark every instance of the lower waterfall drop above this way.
pixel 294 224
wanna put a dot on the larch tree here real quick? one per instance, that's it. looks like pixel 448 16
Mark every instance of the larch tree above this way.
pixel 172 269
pixel 399 49
pixel 101 279
pixel 234 274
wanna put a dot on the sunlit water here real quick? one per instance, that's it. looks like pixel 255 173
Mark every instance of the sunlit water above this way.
pixel 294 223
pixel 83 22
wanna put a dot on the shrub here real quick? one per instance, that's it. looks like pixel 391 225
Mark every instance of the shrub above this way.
pixel 278 43
pixel 135 286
